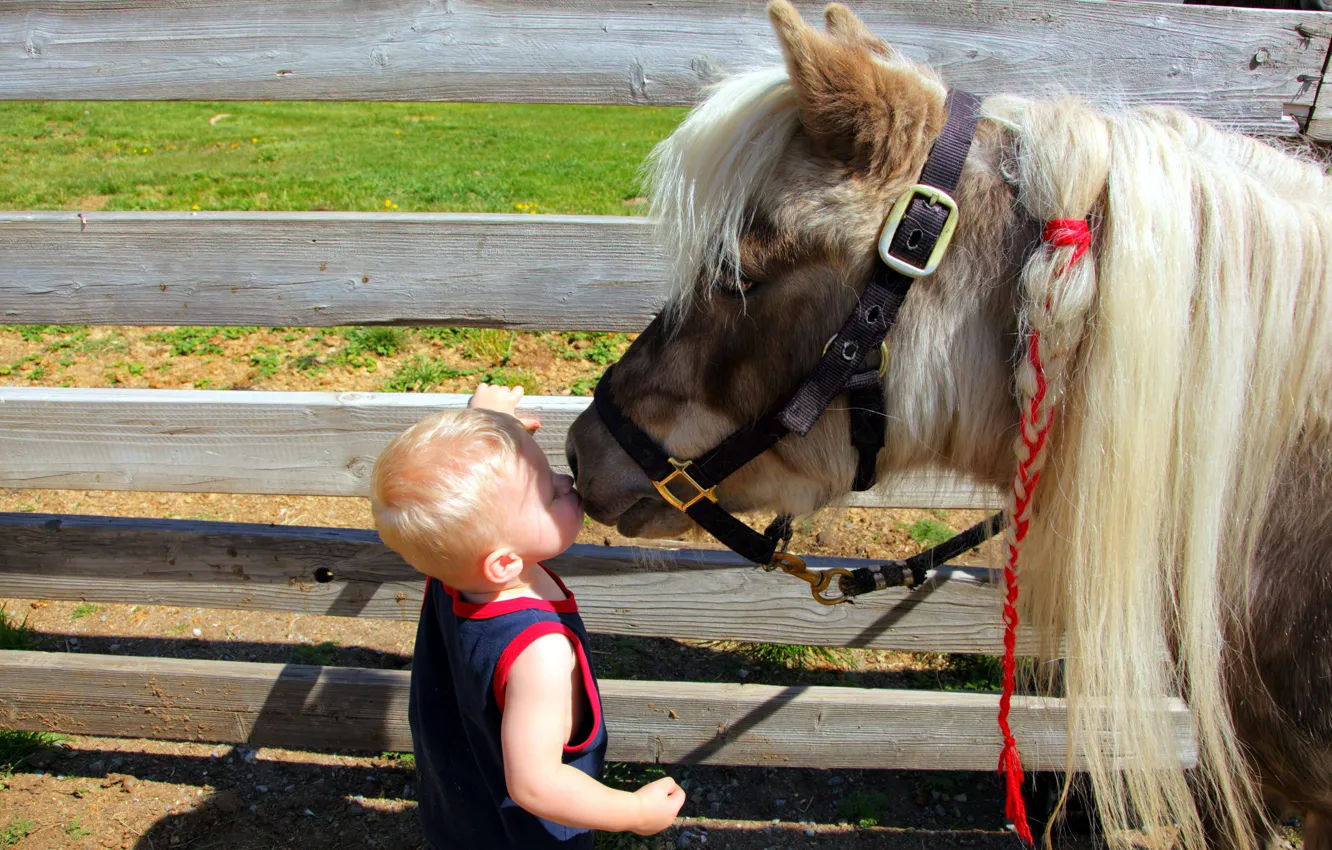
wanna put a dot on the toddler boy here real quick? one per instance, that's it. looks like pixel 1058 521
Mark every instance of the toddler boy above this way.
pixel 504 709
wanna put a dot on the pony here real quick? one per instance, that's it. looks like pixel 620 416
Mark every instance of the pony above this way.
pixel 1180 539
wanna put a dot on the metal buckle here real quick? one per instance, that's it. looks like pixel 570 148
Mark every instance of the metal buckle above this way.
pixel 934 196
pixel 675 501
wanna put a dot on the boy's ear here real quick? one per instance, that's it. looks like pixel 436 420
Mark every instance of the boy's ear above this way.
pixel 501 566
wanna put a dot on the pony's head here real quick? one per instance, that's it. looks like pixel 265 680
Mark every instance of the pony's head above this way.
pixel 1160 380
pixel 771 196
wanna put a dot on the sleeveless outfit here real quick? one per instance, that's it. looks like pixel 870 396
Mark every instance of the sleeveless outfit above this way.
pixel 461 661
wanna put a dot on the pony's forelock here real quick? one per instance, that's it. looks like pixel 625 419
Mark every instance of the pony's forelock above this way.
pixel 701 178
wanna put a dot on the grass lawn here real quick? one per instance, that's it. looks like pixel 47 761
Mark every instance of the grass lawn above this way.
pixel 418 157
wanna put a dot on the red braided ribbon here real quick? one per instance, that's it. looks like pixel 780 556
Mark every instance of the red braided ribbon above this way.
pixel 1068 233
pixel 1059 233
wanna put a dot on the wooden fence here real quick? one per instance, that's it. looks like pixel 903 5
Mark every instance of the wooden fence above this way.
pixel 1257 71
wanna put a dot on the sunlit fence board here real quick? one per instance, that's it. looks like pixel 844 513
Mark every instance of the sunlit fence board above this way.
pixel 321 269
pixel 698 593
pixel 1241 67
pixel 314 444
pixel 296 706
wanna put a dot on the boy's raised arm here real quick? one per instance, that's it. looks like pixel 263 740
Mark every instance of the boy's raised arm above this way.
pixel 537 718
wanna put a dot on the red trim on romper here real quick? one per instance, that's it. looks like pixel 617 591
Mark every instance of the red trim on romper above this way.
pixel 520 644
pixel 485 610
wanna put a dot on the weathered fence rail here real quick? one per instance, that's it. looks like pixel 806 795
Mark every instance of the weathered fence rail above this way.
pixel 1257 71
pixel 1254 71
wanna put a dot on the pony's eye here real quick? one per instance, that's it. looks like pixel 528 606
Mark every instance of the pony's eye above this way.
pixel 741 286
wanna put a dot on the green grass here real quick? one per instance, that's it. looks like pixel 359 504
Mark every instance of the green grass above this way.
pixel 17 830
pixel 75 831
pixel 13 634
pixel 384 157
pixel 524 378
pixel 15 746
pixel 422 374
pixel 929 532
pixel 83 609
pixel 320 654
pixel 785 655
pixel 863 810
pixel 404 761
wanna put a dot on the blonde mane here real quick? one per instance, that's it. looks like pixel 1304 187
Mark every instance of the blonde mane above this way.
pixel 1191 349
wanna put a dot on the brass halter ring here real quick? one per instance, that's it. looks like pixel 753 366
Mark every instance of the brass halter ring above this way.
pixel 819 580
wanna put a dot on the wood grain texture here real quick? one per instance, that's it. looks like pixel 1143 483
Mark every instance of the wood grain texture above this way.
pixel 698 593
pixel 298 707
pixel 316 444
pixel 321 269
pixel 623 51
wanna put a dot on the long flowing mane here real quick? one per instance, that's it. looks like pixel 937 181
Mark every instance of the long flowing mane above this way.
pixel 1188 365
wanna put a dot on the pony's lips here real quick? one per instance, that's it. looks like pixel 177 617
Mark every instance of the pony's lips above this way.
pixel 652 517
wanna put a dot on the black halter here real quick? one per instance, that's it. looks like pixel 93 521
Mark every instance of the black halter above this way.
pixel 914 238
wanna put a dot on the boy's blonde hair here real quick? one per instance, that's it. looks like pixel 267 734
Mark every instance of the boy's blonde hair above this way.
pixel 433 488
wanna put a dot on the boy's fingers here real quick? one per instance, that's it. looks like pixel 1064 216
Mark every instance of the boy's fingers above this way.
pixel 531 423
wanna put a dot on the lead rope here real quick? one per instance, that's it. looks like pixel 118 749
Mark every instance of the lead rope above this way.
pixel 1034 428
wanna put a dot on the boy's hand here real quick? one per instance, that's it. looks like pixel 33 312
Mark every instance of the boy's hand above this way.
pixel 659 802
pixel 502 400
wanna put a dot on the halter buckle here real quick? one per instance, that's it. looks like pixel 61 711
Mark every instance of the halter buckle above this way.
pixel 932 195
pixel 689 499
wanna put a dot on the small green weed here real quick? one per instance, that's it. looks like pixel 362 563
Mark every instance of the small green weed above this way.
pixel 83 609
pixel 524 378
pixel 266 360
pixel 236 331
pixel 16 831
pixel 600 348
pixel 188 340
pixel 444 336
pixel 973 673
pixel 384 342
pixel 785 655
pixel 16 746
pixel 422 374
pixel 584 385
pixel 36 333
pixel 106 343
pixel 489 345
pixel 863 810
pixel 14 635
pixel 75 831
pixel 319 654
pixel 929 532
pixel 404 761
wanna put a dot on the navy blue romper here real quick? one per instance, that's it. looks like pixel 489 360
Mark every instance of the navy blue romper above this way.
pixel 463 654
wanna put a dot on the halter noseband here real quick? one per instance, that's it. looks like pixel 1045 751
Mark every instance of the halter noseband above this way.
pixel 914 238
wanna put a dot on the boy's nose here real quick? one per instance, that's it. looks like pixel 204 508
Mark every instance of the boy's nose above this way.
pixel 563 484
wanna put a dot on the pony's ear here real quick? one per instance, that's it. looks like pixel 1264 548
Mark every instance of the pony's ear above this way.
pixel 844 26
pixel 876 116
